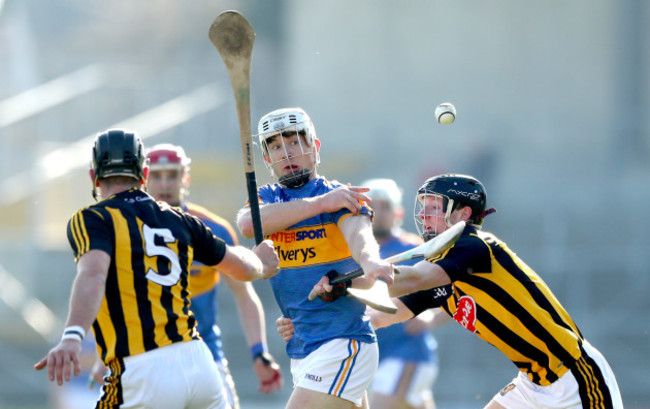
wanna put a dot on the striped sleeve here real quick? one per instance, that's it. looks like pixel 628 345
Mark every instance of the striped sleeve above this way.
pixel 87 230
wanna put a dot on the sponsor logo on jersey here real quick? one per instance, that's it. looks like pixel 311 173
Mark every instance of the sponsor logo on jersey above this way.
pixel 440 292
pixel 306 246
pixel 300 235
pixel 301 255
pixel 465 313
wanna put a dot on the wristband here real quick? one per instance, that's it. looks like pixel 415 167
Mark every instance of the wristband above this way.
pixel 74 332
pixel 258 349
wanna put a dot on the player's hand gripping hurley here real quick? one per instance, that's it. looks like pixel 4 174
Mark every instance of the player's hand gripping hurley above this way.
pixel 233 36
pixel 377 296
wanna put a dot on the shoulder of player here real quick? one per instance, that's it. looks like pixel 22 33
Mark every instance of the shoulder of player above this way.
pixel 218 224
pixel 473 239
pixel 203 213
pixel 332 184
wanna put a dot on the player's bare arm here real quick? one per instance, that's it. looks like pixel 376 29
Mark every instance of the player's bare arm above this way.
pixel 279 216
pixel 243 264
pixel 357 231
pixel 380 319
pixel 251 316
pixel 427 320
pixel 421 276
pixel 85 300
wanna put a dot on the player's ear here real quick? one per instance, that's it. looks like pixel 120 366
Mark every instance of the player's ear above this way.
pixel 91 173
pixel 317 143
pixel 466 213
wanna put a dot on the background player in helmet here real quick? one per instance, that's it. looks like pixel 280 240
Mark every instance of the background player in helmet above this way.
pixel 408 357
pixel 408 353
pixel 169 181
pixel 317 226
pixel 504 302
pixel 133 256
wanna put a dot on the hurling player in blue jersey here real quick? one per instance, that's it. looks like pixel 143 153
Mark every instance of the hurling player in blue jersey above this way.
pixel 318 227
pixel 169 180
pixel 408 357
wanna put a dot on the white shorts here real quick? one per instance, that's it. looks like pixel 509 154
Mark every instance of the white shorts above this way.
pixel 341 367
pixel 180 375
pixel 563 393
pixel 411 381
pixel 229 384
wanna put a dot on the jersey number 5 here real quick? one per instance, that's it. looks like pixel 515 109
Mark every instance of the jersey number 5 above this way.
pixel 153 250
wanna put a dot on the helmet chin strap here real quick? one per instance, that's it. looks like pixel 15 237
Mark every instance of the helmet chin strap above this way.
pixel 295 179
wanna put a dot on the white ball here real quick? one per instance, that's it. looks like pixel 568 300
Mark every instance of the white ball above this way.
pixel 445 113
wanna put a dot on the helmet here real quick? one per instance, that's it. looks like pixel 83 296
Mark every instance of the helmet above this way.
pixel 384 189
pixel 118 153
pixel 456 191
pixel 274 122
pixel 461 190
pixel 289 120
pixel 167 156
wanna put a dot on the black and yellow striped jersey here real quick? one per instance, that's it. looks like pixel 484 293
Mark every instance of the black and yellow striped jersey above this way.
pixel 146 303
pixel 504 302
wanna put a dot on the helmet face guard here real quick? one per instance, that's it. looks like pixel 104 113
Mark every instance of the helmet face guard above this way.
pixel 287 135
pixel 432 214
pixel 452 191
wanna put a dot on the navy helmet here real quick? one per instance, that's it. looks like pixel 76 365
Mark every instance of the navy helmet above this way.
pixel 118 153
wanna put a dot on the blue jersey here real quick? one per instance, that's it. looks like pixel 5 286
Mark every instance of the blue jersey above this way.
pixel 394 341
pixel 204 282
pixel 307 251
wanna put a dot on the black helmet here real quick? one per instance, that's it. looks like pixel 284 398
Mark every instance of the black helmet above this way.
pixel 118 153
pixel 461 190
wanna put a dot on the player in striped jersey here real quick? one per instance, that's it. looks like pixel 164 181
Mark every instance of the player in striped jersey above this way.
pixel 133 256
pixel 169 181
pixel 504 302
pixel 317 226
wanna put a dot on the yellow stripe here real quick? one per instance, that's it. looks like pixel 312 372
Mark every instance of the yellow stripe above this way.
pixel 511 321
pixel 582 367
pixel 124 266
pixel 108 332
pixel 202 279
pixel 348 363
pixel 598 398
pixel 77 235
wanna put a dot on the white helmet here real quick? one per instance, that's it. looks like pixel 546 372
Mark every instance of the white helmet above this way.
pixel 384 189
pixel 284 120
pixel 274 122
